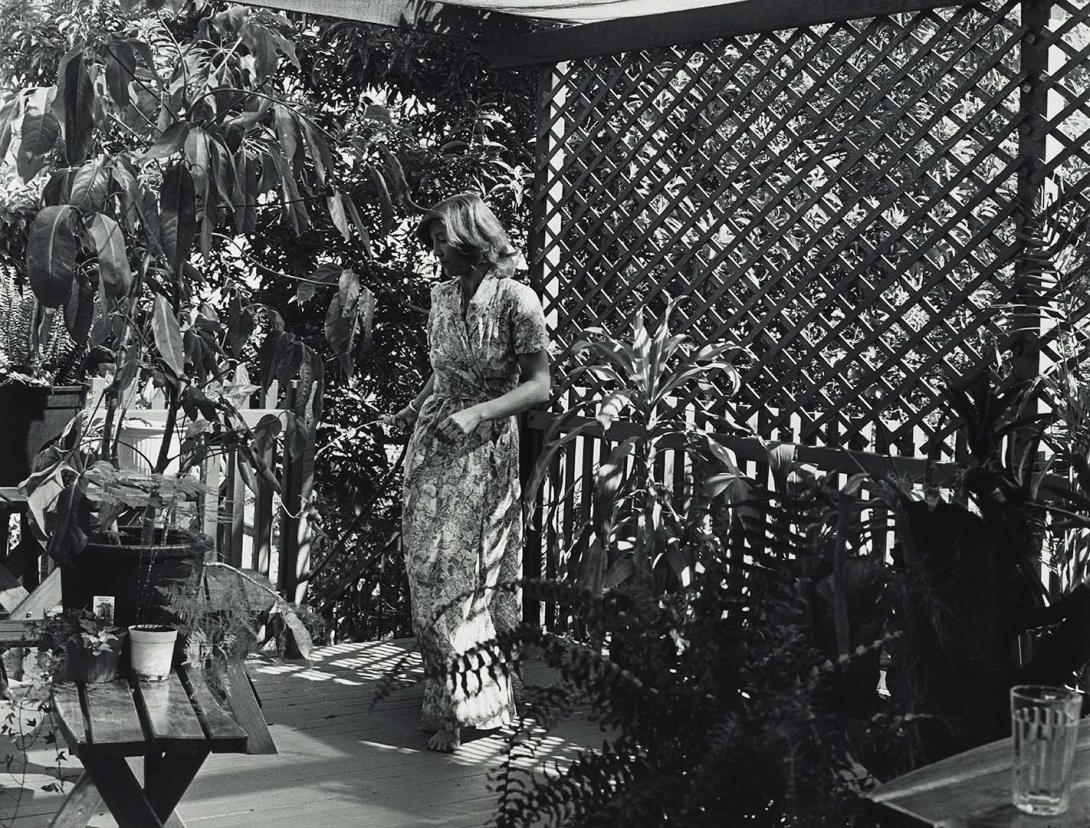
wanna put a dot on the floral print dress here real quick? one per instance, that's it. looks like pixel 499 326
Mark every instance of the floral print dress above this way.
pixel 462 523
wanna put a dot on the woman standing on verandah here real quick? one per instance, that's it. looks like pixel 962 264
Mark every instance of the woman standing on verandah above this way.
pixel 462 523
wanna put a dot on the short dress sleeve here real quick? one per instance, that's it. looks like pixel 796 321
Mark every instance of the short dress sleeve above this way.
pixel 528 333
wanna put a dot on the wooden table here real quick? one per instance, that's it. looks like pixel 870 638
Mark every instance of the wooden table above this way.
pixel 173 724
pixel 973 789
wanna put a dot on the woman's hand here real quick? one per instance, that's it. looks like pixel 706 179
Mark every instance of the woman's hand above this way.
pixel 460 424
pixel 404 419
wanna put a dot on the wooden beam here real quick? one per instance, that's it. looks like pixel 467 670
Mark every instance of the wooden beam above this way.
pixel 417 15
pixel 731 18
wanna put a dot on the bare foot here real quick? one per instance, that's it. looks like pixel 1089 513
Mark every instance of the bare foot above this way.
pixel 445 741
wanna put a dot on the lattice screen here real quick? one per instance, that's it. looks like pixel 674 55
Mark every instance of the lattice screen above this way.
pixel 838 199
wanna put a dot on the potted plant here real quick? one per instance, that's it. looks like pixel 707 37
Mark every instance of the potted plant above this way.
pixel 165 147
pixel 91 645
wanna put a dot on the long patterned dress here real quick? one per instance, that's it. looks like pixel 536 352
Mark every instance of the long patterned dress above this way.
pixel 462 524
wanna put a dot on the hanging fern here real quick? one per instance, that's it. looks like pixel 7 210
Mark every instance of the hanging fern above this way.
pixel 35 347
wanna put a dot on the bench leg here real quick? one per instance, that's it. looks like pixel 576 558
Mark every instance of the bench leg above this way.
pixel 121 792
pixel 166 778
pixel 82 803
pixel 109 779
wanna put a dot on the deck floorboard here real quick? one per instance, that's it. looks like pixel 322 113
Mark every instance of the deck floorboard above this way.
pixel 339 763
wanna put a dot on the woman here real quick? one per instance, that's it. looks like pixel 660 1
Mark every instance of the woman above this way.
pixel 462 524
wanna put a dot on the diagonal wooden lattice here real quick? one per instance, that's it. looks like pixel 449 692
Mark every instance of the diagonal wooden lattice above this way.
pixel 841 200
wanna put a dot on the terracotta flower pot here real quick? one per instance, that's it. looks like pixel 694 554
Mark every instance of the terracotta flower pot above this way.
pixel 151 651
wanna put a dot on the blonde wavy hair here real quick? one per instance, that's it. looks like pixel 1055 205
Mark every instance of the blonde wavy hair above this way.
pixel 472 229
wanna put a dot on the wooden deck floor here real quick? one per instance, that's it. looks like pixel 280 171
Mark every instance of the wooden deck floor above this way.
pixel 338 764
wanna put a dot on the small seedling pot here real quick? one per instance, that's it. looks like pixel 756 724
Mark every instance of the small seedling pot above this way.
pixel 152 650
pixel 93 668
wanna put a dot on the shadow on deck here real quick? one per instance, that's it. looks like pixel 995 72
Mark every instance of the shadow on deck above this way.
pixel 338 764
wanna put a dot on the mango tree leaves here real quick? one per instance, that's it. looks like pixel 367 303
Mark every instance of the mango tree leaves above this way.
pixel 51 255
pixel 113 258
pixel 90 186
pixel 286 131
pixel 39 132
pixel 396 176
pixel 171 141
pixel 240 327
pixel 177 218
pixel 324 275
pixel 120 70
pixel 76 98
pixel 349 320
pixel 339 215
pixel 79 309
pixel 168 336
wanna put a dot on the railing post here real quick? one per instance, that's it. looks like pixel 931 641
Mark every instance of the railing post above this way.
pixel 1025 336
pixel 531 441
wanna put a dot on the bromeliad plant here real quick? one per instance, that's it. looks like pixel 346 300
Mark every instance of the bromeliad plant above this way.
pixel 161 146
pixel 636 532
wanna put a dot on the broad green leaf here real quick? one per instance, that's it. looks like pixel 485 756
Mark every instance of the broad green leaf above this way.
pixel 177 215
pixel 396 176
pixel 287 132
pixel 90 186
pixel 199 155
pixel 168 336
pixel 120 70
pixel 51 255
pixel 338 215
pixel 76 94
pixel 386 206
pixel 240 327
pixel 365 321
pixel 611 407
pixel 58 189
pixel 361 228
pixel 606 485
pixel 113 258
pixel 326 274
pixel 171 141
pixel 79 309
pixel 620 571
pixel 39 132
pixel 319 151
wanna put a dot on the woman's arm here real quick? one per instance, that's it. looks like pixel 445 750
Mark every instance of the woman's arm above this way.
pixel 406 417
pixel 534 388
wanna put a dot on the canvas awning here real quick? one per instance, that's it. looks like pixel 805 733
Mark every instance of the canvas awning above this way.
pixel 530 32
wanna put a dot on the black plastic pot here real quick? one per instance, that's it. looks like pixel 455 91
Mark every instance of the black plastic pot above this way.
pixel 133 573
pixel 30 418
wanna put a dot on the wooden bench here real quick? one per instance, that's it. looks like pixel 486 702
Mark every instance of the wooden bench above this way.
pixel 174 724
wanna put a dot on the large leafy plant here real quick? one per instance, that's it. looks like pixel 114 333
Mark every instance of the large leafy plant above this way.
pixel 161 146
pixel 636 532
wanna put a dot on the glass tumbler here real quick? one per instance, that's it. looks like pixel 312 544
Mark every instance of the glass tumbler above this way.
pixel 1045 727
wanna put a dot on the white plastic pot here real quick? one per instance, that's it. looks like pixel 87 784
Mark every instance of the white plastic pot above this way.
pixel 152 651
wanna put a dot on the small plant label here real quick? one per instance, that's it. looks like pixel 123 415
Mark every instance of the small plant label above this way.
pixel 104 607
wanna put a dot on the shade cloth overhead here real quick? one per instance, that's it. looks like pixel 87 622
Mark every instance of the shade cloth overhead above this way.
pixel 585 11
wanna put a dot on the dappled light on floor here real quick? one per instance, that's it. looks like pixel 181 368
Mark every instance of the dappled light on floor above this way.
pixel 340 763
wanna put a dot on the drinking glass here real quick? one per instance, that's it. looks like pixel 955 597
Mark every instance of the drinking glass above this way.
pixel 1045 725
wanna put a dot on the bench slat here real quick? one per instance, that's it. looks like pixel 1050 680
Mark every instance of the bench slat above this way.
pixel 69 716
pixel 224 733
pixel 169 712
pixel 114 720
